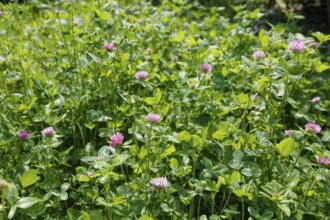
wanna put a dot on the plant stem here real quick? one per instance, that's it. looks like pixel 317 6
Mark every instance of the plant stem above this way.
pixel 295 162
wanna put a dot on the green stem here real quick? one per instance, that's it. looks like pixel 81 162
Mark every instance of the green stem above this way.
pixel 243 214
pixel 295 162
pixel 149 150
pixel 311 184
pixel 199 205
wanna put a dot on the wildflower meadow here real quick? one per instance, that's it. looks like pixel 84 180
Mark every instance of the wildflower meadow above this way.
pixel 135 110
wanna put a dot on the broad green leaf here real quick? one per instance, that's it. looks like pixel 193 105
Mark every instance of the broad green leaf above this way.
pixel 12 212
pixel 239 192
pixel 184 136
pixel 85 216
pixel 196 140
pixel 262 83
pixel 191 41
pixel 158 95
pixel 285 209
pixel 143 152
pixel 26 202
pixel 264 41
pixel 36 210
pixel 234 177
pixel 320 67
pixel 83 178
pixel 243 98
pixel 96 215
pixel 321 37
pixel 28 178
pixel 170 150
pixel 261 33
pixel 145 217
pixel 104 15
pixel 174 164
pixel 222 132
pixel 150 100
pixel 286 146
pixel 12 194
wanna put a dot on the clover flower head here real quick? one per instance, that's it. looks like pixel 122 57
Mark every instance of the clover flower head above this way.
pixel 288 132
pixel 142 75
pixel 322 161
pixel 258 54
pixel 296 46
pixel 151 117
pixel 109 46
pixel 117 139
pixel 205 67
pixel 316 99
pixel 159 183
pixel 48 132
pixel 314 45
pixel 24 135
pixel 313 127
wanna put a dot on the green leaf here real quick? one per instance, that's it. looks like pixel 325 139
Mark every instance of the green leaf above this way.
pixel 28 178
pixel 239 192
pixel 202 120
pixel 286 146
pixel 158 95
pixel 145 217
pixel 234 177
pixel 264 41
pixel 143 152
pixel 170 150
pixel 150 100
pixel 12 212
pixel 262 83
pixel 26 202
pixel 12 194
pixel 36 210
pixel 222 132
pixel 73 214
pixel 104 15
pixel 174 164
pixel 184 136
pixel 85 216
pixel 197 141
pixel 285 209
pixel 320 67
pixel 96 215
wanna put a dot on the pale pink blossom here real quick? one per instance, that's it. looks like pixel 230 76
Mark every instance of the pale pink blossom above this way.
pixel 313 127
pixel 117 139
pixel 322 161
pixel 288 132
pixel 205 67
pixel 296 46
pixel 316 99
pixel 314 45
pixel 258 54
pixel 48 132
pixel 159 183
pixel 109 46
pixel 142 75
pixel 151 117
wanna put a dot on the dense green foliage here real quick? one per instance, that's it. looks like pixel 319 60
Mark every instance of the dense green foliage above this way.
pixel 220 142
